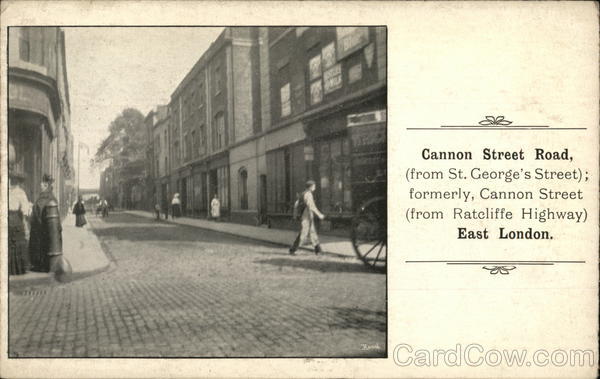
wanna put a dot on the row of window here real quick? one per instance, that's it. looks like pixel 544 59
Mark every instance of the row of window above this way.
pixel 324 68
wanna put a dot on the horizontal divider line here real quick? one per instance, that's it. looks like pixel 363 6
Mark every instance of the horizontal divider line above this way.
pixel 477 262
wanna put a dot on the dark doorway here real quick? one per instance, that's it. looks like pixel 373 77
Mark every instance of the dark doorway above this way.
pixel 262 203
pixel 183 195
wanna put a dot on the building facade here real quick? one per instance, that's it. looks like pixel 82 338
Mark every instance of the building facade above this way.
pixel 214 108
pixel 320 79
pixel 39 110
pixel 267 108
pixel 160 156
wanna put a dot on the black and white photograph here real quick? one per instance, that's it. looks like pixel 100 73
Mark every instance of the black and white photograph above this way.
pixel 209 189
pixel 197 191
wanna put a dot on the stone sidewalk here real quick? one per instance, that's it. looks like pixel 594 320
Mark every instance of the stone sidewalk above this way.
pixel 80 247
pixel 330 245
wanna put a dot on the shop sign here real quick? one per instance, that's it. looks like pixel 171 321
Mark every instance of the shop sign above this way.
pixel 332 78
pixel 316 92
pixel 328 54
pixel 351 39
pixel 366 118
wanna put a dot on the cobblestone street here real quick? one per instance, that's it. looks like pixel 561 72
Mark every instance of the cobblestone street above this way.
pixel 178 291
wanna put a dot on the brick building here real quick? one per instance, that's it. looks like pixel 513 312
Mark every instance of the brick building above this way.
pixel 39 110
pixel 321 77
pixel 266 108
pixel 215 106
pixel 158 169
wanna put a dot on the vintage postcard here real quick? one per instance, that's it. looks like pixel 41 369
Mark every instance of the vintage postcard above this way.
pixel 299 189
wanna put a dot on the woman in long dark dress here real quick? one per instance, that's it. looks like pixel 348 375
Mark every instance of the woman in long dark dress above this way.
pixel 79 212
pixel 18 209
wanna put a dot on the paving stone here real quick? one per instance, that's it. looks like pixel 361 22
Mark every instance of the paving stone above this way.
pixel 180 292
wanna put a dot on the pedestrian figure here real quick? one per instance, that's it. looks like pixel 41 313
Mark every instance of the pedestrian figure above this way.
pixel 307 209
pixel 104 207
pixel 19 209
pixel 166 208
pixel 157 211
pixel 45 228
pixel 215 208
pixel 79 212
pixel 176 206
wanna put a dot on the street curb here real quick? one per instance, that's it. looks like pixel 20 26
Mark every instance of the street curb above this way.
pixel 241 236
pixel 48 280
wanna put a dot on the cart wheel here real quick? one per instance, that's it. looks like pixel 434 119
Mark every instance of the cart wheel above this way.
pixel 369 233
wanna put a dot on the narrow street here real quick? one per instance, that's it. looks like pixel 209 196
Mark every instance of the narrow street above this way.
pixel 178 291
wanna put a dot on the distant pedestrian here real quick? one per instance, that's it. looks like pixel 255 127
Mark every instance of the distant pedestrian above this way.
pixel 19 209
pixel 45 227
pixel 157 211
pixel 104 207
pixel 176 206
pixel 79 212
pixel 215 208
pixel 307 209
pixel 166 208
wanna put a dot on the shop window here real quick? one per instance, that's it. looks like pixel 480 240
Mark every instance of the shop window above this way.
pixel 286 174
pixel 335 175
pixel 243 188
pixel 286 104
pixel 223 186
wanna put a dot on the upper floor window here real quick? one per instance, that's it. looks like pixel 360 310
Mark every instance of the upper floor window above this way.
pixel 201 95
pixel 218 80
pixel 202 140
pixel 24 44
pixel 286 103
pixel 219 131
pixel 195 143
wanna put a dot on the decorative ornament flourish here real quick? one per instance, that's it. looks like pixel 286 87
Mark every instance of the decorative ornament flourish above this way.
pixel 491 121
pixel 503 270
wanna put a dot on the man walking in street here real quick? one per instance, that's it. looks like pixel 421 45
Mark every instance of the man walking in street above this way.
pixel 308 230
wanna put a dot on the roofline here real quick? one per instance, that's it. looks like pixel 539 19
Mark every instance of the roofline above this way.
pixel 223 39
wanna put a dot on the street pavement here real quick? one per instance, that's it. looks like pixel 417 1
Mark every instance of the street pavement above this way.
pixel 180 291
pixel 331 245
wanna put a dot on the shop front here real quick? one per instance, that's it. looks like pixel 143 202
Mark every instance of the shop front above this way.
pixel 289 165
pixel 350 160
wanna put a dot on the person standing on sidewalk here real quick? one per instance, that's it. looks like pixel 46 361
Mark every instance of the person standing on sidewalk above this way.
pixel 157 210
pixel 19 208
pixel 42 227
pixel 166 207
pixel 79 212
pixel 307 222
pixel 215 208
pixel 176 206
